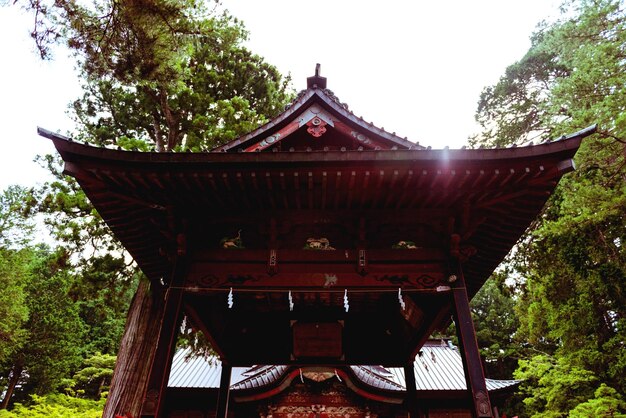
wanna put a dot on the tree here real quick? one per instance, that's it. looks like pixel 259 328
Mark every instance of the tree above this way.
pixel 496 327
pixel 16 225
pixel 13 309
pixel 50 347
pixel 607 403
pixel 164 75
pixel 161 74
pixel 95 377
pixel 514 110
pixel 570 268
pixel 102 290
pixel 57 406
pixel 553 387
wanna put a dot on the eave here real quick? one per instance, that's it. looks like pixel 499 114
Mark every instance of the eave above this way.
pixel 508 186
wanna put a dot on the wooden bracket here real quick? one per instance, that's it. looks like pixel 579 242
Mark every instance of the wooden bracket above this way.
pixel 272 264
pixel 361 267
pixel 361 264
pixel 460 252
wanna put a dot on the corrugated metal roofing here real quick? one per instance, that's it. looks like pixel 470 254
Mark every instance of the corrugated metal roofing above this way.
pixel 199 372
pixel 439 367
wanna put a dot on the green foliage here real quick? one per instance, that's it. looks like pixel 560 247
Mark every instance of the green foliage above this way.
pixel 571 77
pixel 16 224
pixel 217 92
pixel 13 309
pixel 164 75
pixel 103 290
pixel 70 216
pixel 49 330
pixel 52 347
pixel 56 406
pixel 514 110
pixel 607 403
pixel 496 326
pixel 94 377
pixel 571 268
pixel 552 386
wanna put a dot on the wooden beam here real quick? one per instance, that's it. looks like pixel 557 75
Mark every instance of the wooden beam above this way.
pixel 474 374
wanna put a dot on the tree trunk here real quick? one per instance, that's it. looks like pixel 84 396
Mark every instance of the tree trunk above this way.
pixel 16 372
pixel 134 358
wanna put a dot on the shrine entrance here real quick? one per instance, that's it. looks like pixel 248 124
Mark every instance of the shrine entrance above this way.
pixel 318 239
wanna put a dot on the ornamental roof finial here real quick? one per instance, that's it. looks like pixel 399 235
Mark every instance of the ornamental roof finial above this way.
pixel 317 81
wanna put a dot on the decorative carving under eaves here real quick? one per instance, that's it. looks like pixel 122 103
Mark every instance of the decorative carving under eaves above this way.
pixel 461 251
pixel 232 243
pixel 404 245
pixel 318 244
pixel 317 410
pixel 405 280
pixel 316 127
pixel 318 376
pixel 212 280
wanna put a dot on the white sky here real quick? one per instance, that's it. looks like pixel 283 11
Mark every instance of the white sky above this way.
pixel 413 67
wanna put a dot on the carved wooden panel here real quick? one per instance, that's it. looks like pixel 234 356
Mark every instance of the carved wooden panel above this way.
pixel 327 399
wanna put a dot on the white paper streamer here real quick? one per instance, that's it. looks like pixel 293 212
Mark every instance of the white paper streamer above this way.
pixel 401 299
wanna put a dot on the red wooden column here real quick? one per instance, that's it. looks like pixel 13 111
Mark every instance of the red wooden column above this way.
pixel 474 374
pixel 224 392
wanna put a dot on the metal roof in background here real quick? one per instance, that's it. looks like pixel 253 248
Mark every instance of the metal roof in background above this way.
pixel 190 371
pixel 438 368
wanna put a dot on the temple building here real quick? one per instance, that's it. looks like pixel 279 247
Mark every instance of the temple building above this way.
pixel 318 243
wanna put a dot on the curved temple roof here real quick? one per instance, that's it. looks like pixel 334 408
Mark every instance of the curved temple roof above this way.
pixel 438 368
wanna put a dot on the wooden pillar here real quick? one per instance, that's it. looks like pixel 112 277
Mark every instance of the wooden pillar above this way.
pixel 153 402
pixel 224 393
pixel 411 391
pixel 474 374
